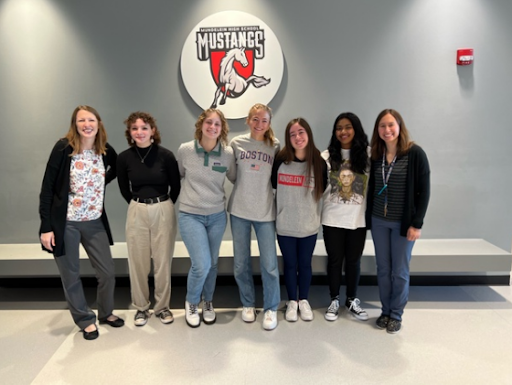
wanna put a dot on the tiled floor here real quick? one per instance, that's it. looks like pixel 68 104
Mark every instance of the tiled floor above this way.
pixel 450 335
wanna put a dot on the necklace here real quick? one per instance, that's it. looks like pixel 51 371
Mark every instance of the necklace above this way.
pixel 145 156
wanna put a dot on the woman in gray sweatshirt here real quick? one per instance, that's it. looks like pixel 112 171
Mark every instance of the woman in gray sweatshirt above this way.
pixel 299 176
pixel 252 204
pixel 204 163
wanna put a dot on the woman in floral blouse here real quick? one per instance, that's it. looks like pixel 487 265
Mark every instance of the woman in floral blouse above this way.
pixel 72 212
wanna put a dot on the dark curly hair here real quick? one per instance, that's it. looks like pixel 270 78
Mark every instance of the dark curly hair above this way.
pixel 358 149
pixel 146 118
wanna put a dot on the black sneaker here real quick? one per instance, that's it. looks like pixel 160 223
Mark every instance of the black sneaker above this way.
pixel 382 321
pixel 352 305
pixel 394 326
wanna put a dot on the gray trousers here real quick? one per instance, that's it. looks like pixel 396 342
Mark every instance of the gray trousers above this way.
pixel 94 239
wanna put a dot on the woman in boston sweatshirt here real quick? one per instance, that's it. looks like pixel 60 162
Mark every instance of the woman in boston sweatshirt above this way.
pixel 252 205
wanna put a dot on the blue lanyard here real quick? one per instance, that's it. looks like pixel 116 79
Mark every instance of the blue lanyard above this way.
pixel 385 180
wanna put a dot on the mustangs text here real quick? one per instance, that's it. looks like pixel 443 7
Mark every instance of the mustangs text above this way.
pixel 226 38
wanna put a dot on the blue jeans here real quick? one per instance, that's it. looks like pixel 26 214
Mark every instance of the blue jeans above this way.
pixel 266 236
pixel 297 254
pixel 202 235
pixel 393 254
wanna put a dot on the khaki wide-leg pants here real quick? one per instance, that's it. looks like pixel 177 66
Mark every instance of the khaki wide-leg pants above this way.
pixel 150 234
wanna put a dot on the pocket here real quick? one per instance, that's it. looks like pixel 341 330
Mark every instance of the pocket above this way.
pixel 219 168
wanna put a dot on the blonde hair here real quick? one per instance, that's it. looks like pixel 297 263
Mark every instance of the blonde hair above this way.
pixel 73 137
pixel 223 138
pixel 269 136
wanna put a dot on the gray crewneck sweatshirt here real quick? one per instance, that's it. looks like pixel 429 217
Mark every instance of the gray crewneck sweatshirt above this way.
pixel 252 197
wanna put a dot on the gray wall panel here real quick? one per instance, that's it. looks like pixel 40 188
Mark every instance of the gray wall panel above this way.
pixel 339 55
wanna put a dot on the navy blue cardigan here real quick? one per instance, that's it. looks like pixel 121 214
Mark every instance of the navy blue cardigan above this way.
pixel 53 200
pixel 417 193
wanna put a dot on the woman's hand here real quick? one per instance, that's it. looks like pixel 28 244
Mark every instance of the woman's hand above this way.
pixel 413 233
pixel 48 240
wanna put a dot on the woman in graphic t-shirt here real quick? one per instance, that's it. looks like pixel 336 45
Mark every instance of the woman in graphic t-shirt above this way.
pixel 343 214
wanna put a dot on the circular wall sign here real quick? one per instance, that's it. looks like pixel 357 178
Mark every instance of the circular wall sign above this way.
pixel 231 60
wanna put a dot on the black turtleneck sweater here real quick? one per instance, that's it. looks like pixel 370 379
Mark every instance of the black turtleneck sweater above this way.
pixel 158 175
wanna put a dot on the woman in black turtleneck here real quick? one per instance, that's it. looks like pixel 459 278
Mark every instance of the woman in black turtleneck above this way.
pixel 149 180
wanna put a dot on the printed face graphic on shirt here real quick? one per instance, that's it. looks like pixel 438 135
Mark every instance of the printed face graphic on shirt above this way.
pixel 346 186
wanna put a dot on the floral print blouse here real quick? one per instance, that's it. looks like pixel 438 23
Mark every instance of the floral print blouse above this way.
pixel 86 187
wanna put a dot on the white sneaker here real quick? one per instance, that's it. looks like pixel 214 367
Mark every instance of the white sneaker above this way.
pixel 306 314
pixel 270 320
pixel 291 311
pixel 209 316
pixel 332 311
pixel 192 315
pixel 248 314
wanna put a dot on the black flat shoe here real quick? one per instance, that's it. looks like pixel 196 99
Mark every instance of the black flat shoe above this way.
pixel 117 323
pixel 91 335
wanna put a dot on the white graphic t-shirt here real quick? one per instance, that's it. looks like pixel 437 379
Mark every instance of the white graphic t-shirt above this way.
pixel 345 195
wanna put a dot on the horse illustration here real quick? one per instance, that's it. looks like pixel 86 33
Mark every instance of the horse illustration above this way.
pixel 230 82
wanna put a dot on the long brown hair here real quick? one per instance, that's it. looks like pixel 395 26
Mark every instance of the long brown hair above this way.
pixel 269 134
pixel 223 138
pixel 313 158
pixel 73 137
pixel 379 146
pixel 146 118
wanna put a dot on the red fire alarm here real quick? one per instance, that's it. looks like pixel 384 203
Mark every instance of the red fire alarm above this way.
pixel 465 56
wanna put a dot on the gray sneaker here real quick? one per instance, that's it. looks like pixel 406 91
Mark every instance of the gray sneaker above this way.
pixel 141 318
pixel 165 316
pixel 209 316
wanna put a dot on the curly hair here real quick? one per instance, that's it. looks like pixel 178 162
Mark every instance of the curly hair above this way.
pixel 404 142
pixel 224 130
pixel 73 137
pixel 269 134
pixel 358 149
pixel 146 118
pixel 313 158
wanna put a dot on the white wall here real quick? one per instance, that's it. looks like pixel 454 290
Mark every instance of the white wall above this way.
pixel 340 55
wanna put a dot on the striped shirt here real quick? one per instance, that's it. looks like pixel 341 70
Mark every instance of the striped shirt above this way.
pixel 395 191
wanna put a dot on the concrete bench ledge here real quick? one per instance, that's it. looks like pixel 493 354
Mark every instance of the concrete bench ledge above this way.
pixel 430 257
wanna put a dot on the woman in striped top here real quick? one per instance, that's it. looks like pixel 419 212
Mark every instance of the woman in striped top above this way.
pixel 398 195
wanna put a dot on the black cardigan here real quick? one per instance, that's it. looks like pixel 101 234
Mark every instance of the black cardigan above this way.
pixel 53 200
pixel 417 193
